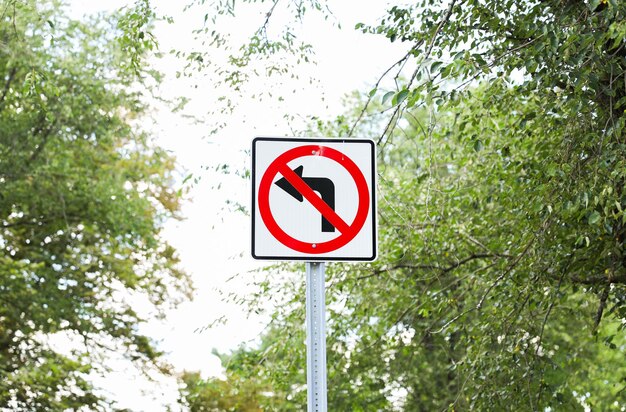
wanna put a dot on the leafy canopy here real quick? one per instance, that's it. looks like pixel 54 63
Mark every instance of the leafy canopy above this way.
pixel 501 282
pixel 83 197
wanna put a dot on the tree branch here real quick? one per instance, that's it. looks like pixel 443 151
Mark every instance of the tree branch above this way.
pixel 471 257
pixel 44 140
pixel 369 98
pixel 603 299
pixel 268 15
pixel 429 49
pixel 443 21
pixel 600 279
pixel 442 269
pixel 505 273
pixel 7 84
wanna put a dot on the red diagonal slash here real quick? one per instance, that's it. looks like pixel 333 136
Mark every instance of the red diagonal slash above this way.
pixel 317 202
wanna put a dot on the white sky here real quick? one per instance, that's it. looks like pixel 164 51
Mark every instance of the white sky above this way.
pixel 214 244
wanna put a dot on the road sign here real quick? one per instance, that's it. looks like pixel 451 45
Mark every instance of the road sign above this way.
pixel 313 199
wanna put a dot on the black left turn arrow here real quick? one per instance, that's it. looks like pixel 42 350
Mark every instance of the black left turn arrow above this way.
pixel 323 185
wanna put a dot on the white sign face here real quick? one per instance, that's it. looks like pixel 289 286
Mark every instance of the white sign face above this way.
pixel 313 199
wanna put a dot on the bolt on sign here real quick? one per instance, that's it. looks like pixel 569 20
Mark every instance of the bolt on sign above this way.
pixel 313 199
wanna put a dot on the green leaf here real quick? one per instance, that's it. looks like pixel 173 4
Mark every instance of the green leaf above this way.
pixel 478 145
pixel 447 70
pixel 387 96
pixel 399 97
pixel 594 218
pixel 435 66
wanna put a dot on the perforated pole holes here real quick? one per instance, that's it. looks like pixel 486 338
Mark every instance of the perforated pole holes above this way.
pixel 316 337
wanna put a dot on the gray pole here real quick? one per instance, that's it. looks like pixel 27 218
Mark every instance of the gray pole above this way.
pixel 315 337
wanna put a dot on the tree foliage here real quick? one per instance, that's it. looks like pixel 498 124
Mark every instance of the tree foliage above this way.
pixel 501 281
pixel 83 196
pixel 246 385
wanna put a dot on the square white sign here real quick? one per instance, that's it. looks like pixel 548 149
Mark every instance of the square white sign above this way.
pixel 313 199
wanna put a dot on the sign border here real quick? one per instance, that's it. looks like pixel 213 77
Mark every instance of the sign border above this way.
pixel 275 168
pixel 316 258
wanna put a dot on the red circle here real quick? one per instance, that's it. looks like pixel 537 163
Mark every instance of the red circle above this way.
pixel 280 234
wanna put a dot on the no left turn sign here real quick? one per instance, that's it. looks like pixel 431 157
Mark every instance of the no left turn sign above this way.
pixel 313 199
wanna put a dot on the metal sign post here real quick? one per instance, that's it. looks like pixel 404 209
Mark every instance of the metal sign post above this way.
pixel 314 200
pixel 316 337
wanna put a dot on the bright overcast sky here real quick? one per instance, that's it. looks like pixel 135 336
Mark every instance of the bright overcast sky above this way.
pixel 214 244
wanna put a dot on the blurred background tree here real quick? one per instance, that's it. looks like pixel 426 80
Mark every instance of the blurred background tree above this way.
pixel 84 194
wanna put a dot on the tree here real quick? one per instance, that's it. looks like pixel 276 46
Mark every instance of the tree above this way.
pixel 501 282
pixel 84 194
pixel 247 384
